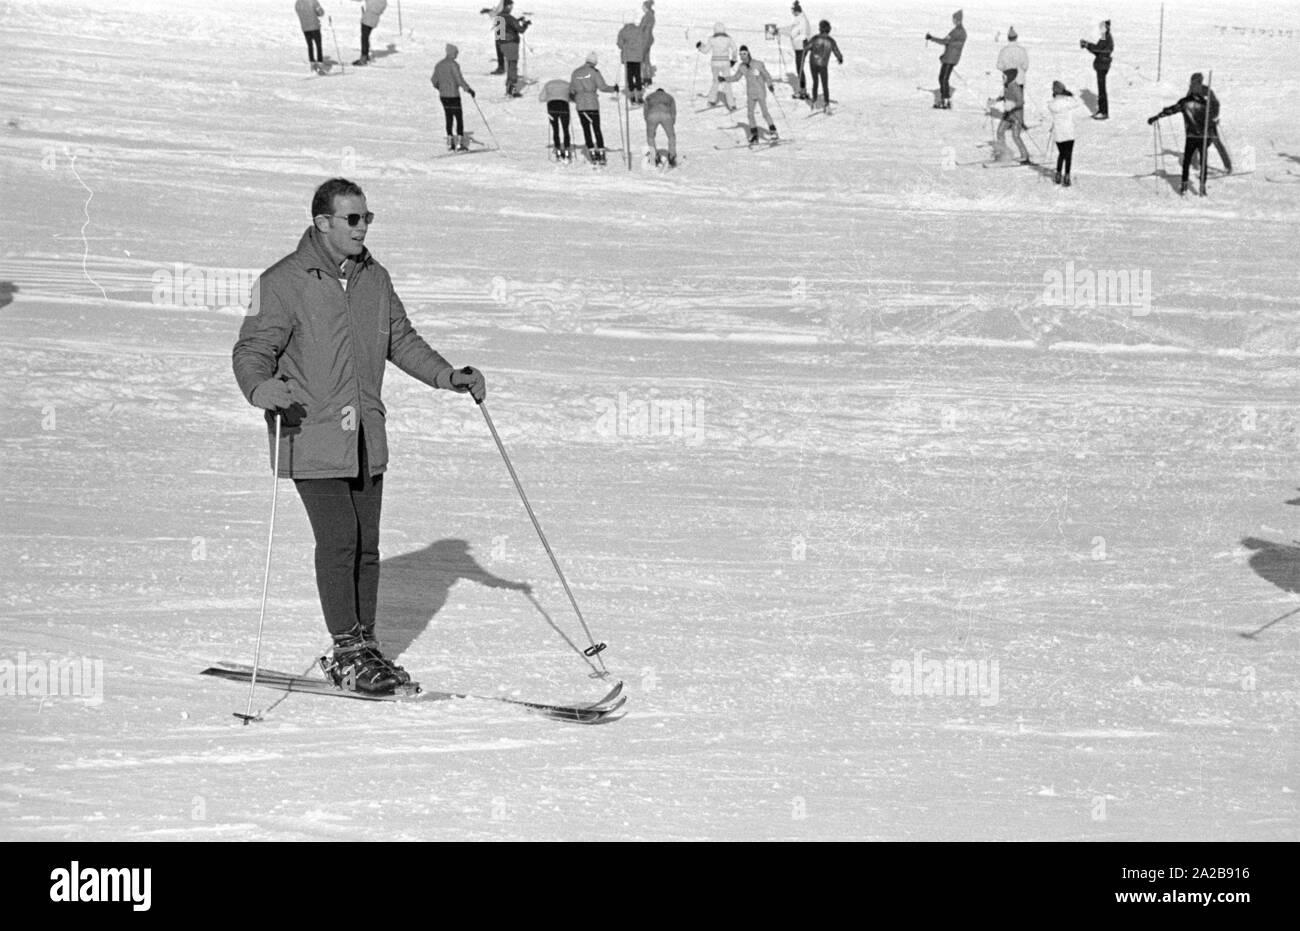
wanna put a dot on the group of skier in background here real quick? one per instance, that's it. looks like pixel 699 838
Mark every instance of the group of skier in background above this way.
pixel 730 64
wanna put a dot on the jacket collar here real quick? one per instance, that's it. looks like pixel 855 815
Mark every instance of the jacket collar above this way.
pixel 311 252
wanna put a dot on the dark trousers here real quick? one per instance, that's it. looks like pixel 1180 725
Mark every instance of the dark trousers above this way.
pixel 634 82
pixel 1103 101
pixel 344 515
pixel 1064 157
pixel 558 111
pixel 1192 151
pixel 1217 142
pixel 590 120
pixel 365 41
pixel 313 45
pixel 454 116
pixel 821 73
pixel 945 72
pixel 798 67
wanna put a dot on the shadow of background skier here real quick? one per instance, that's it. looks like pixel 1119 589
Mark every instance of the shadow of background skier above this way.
pixel 1278 563
pixel 414 587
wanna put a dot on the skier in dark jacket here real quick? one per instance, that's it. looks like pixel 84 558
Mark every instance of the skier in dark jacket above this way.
pixel 952 46
pixel 309 14
pixel 511 34
pixel 1102 51
pixel 1215 139
pixel 324 321
pixel 819 50
pixel 1194 107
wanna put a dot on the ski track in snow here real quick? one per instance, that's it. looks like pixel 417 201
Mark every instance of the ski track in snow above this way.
pixel 885 449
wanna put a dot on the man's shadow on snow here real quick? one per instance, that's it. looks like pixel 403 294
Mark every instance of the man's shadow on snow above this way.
pixel 414 587
pixel 1278 563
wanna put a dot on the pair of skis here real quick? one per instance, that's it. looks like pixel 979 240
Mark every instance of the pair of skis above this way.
pixel 598 712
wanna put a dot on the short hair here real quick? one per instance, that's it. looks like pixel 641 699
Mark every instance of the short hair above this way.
pixel 322 202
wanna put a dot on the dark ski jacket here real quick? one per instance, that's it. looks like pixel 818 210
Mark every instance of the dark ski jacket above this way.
pixel 1193 109
pixel 511 29
pixel 1102 52
pixel 952 45
pixel 821 47
pixel 329 345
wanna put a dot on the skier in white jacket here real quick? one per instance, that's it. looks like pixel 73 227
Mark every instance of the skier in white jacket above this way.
pixel 1062 111
pixel 799 31
pixel 371 10
pixel 721 49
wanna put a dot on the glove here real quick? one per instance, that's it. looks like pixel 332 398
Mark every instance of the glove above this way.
pixel 616 88
pixel 772 88
pixel 1152 121
pixel 699 45
pixel 272 395
pixel 472 94
pixel 928 37
pixel 470 380
pixel 733 62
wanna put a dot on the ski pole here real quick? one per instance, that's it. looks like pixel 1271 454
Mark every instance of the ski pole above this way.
pixel 266 578
pixel 337 53
pixel 1205 133
pixel 622 134
pixel 596 648
pixel 627 120
pixel 485 123
pixel 399 17
pixel 695 70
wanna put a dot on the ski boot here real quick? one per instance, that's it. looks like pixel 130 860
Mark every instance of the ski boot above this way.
pixel 354 665
pixel 451 143
pixel 1056 177
pixel 372 642
pixel 1065 181
pixel 672 161
pixel 462 143
pixel 772 135
pixel 361 62
pixel 753 136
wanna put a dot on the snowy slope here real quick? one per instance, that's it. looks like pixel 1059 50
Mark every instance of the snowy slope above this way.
pixel 884 445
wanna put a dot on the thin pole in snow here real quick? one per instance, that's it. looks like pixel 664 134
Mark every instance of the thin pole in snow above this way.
pixel 266 576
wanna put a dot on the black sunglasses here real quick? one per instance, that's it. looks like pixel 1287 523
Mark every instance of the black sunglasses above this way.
pixel 353 218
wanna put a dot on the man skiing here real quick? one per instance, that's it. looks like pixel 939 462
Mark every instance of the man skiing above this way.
pixel 324 322
pixel 799 31
pixel 511 34
pixel 661 110
pixel 952 46
pixel 721 49
pixel 1013 55
pixel 820 49
pixel 309 14
pixel 494 14
pixel 1215 139
pixel 584 84
pixel 648 27
pixel 448 81
pixel 1013 115
pixel 1102 51
pixel 556 95
pixel 631 46
pixel 1194 107
pixel 757 83
pixel 371 10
